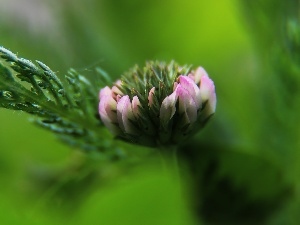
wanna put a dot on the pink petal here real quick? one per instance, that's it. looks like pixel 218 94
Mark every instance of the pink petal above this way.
pixel 189 85
pixel 187 104
pixel 168 108
pixel 190 75
pixel 125 114
pixel 110 126
pixel 107 107
pixel 150 96
pixel 200 71
pixel 104 92
pixel 118 97
pixel 207 90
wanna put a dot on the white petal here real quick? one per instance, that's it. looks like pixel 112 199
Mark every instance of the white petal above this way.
pixel 200 71
pixel 207 90
pixel 168 108
pixel 135 106
pixel 175 86
pixel 116 90
pixel 150 96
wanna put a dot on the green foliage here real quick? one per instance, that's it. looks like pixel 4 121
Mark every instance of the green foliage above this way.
pixel 68 109
pixel 140 201
pixel 244 168
pixel 277 38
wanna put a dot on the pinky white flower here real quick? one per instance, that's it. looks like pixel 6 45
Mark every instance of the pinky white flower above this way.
pixel 159 104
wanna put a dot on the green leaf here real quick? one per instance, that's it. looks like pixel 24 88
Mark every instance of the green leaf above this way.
pixel 69 108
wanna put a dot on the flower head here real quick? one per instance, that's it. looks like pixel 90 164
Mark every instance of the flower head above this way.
pixel 160 104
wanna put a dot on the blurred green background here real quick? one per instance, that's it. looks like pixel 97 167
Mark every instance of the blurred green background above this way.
pixel 242 169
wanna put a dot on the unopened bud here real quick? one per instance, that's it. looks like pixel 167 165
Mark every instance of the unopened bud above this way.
pixel 160 104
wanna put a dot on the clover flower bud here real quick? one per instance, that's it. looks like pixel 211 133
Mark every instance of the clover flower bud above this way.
pixel 160 104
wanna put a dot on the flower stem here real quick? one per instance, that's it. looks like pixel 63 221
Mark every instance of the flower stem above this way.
pixel 170 161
